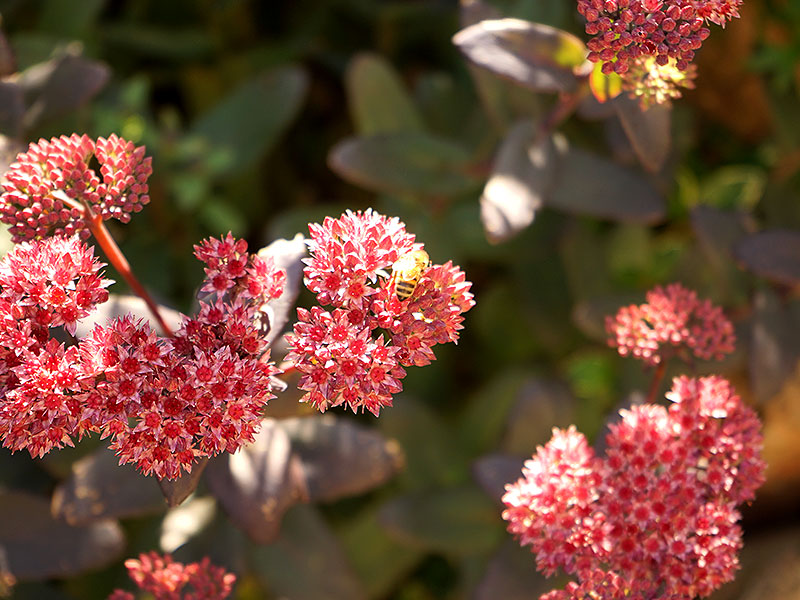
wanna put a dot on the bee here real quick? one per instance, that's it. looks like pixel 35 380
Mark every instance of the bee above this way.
pixel 407 271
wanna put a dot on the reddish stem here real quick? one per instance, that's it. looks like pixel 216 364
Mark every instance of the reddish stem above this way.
pixel 656 383
pixel 120 263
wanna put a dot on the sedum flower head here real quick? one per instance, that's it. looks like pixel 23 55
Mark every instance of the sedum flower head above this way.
pixel 656 517
pixel 43 284
pixel 166 579
pixel 48 189
pixel 166 402
pixel 624 31
pixel 672 321
pixel 353 349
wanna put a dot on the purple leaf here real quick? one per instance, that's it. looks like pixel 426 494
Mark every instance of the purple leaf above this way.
pixel 99 487
pixel 648 130
pixel 259 483
pixel 539 57
pixel 61 85
pixel 39 546
pixel 340 458
pixel 494 471
pixel 407 162
pixel 589 185
pixel 774 255
pixel 12 108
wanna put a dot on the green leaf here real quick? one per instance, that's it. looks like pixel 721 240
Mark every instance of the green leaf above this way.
pixel 773 254
pixel 604 86
pixel 735 187
pixel 589 185
pixel 69 19
pixel 457 521
pixel 521 177
pixel 402 162
pixel 377 98
pixel 161 43
pixel 379 561
pixel 247 123
pixel 307 562
pixel 539 57
pixel 432 456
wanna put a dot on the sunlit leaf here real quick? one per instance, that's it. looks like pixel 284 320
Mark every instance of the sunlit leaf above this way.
pixel 647 129
pixel 60 85
pixel 307 562
pixel 589 185
pixel 340 458
pixel 99 487
pixel 37 546
pixel 247 123
pixel 773 254
pixel 377 98
pixel 457 521
pixel 402 162
pixel 604 87
pixel 540 57
pixel 522 174
pixel 259 483
pixel 287 255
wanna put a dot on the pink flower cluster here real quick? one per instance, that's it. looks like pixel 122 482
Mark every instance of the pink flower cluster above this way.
pixel 656 518
pixel 355 352
pixel 50 189
pixel 43 285
pixel 166 579
pixel 673 320
pixel 164 402
pixel 625 31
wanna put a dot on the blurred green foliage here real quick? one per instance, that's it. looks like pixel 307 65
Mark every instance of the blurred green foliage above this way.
pixel 263 116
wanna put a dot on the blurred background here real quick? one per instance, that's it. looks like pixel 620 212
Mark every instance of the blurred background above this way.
pixel 264 116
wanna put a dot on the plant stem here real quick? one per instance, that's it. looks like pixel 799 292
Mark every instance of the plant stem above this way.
pixel 120 263
pixel 654 385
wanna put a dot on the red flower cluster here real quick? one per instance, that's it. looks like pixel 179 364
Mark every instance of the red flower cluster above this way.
pixel 657 517
pixel 166 579
pixel 355 352
pixel 672 320
pixel 49 188
pixel 43 285
pixel 164 402
pixel 625 31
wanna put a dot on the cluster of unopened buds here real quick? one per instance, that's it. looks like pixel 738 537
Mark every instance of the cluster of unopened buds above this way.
pixel 651 43
pixel 164 579
pixel 656 518
pixel 166 401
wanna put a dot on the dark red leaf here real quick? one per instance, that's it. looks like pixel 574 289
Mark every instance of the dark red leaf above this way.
pixel 773 254
pixel 177 490
pixel 288 255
